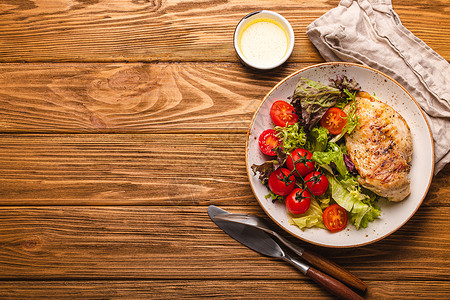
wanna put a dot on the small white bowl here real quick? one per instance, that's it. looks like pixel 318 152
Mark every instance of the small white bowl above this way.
pixel 279 20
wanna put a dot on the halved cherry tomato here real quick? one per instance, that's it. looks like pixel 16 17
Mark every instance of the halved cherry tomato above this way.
pixel 280 182
pixel 317 183
pixel 334 120
pixel 283 114
pixel 269 141
pixel 301 159
pixel 298 201
pixel 335 217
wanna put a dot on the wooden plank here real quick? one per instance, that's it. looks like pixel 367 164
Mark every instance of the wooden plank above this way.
pixel 166 242
pixel 182 169
pixel 219 289
pixel 42 30
pixel 139 169
pixel 130 98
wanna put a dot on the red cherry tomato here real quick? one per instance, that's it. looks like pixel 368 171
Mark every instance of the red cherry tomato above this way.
pixel 317 183
pixel 335 217
pixel 269 141
pixel 298 201
pixel 334 120
pixel 282 113
pixel 280 182
pixel 301 159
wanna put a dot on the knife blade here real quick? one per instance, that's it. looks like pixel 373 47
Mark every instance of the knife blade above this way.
pixel 261 242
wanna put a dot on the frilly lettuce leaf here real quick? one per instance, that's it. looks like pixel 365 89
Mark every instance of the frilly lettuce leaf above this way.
pixel 264 169
pixel 311 99
pixel 274 197
pixel 267 167
pixel 292 136
pixel 343 83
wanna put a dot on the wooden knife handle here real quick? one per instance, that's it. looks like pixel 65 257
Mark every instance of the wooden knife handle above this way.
pixel 332 285
pixel 334 270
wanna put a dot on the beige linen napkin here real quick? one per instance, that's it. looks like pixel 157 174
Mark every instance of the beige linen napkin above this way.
pixel 369 32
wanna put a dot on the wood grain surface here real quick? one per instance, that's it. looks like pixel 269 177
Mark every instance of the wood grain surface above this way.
pixel 221 289
pixel 75 30
pixel 161 242
pixel 121 121
pixel 131 98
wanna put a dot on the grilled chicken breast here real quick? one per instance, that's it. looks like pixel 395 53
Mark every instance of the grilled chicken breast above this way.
pixel 381 148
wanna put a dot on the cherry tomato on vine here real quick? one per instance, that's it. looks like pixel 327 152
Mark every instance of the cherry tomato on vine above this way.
pixel 282 113
pixel 280 182
pixel 317 183
pixel 334 120
pixel 268 141
pixel 301 160
pixel 298 201
pixel 335 217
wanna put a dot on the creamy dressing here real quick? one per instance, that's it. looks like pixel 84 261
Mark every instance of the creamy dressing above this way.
pixel 263 42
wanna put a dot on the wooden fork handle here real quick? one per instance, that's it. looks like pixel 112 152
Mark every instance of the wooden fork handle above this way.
pixel 329 267
pixel 332 285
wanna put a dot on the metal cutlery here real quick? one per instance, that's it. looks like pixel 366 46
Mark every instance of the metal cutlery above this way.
pixel 314 259
pixel 261 242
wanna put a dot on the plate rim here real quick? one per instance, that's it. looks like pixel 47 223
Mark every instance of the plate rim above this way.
pixel 249 175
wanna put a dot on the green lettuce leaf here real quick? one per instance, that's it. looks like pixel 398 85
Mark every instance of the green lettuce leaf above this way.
pixel 317 139
pixel 324 200
pixel 361 206
pixel 274 197
pixel 311 218
pixel 332 154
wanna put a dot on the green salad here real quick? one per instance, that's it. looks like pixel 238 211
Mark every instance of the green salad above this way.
pixel 309 169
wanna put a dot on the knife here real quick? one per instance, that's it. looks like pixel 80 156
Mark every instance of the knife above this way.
pixel 319 262
pixel 261 242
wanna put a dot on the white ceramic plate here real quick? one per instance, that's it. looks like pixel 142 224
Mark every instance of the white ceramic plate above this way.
pixel 393 215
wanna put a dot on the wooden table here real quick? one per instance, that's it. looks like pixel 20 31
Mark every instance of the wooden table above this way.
pixel 121 121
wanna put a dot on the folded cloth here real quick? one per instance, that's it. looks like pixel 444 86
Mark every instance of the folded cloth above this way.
pixel 369 32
